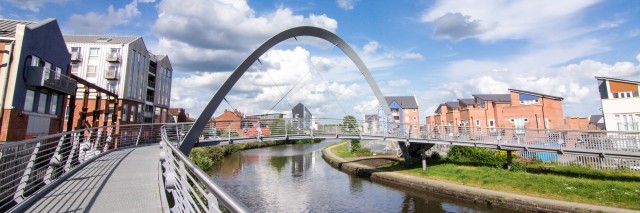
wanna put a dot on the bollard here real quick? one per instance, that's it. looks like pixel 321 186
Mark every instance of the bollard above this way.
pixel 424 161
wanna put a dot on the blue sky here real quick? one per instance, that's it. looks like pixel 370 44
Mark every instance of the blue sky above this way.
pixel 438 50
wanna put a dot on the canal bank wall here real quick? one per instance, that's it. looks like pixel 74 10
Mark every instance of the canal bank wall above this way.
pixel 478 195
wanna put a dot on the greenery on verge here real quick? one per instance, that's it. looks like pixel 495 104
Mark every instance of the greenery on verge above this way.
pixel 357 150
pixel 617 188
pixel 205 157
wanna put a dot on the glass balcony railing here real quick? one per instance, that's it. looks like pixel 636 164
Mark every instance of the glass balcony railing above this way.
pixel 43 77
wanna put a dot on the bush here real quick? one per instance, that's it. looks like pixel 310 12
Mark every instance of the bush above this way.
pixel 200 158
pixel 481 157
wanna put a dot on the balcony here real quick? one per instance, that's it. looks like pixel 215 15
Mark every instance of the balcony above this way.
pixel 76 57
pixel 150 98
pixel 113 57
pixel 151 84
pixel 111 74
pixel 43 77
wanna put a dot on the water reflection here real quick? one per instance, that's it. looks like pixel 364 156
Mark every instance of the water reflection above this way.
pixel 295 178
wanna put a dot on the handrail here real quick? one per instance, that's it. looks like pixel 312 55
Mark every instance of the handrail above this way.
pixel 229 201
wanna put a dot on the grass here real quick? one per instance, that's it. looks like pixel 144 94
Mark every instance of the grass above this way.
pixel 342 151
pixel 570 183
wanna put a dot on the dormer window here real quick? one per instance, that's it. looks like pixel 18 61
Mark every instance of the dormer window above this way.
pixel 103 39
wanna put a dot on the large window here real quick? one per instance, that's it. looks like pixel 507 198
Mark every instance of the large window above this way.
pixel 29 100
pixel 628 122
pixel 42 102
pixel 54 104
pixel 125 108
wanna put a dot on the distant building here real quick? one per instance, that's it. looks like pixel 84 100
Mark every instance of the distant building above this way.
pixel 518 109
pixel 620 103
pixel 596 122
pixel 34 80
pixel 301 117
pixel 405 110
pixel 123 65
pixel 371 124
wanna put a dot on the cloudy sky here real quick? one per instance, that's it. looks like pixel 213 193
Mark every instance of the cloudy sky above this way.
pixel 437 50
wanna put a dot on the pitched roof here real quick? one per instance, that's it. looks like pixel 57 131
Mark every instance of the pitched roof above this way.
pixel 594 119
pixel 494 97
pixel 467 101
pixel 406 102
pixel 101 39
pixel 8 27
pixel 536 94
pixel 453 104
pixel 618 80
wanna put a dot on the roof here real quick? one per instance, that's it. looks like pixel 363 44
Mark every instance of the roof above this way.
pixel 536 94
pixel 406 102
pixel 467 101
pixel 104 39
pixel 594 119
pixel 453 104
pixel 8 27
pixel 618 80
pixel 494 97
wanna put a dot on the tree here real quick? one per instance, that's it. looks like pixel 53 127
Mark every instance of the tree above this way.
pixel 349 123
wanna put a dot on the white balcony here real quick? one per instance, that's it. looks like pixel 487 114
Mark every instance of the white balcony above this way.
pixel 113 57
pixel 76 57
pixel 111 74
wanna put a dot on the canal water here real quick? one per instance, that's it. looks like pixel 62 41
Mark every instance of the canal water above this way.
pixel 295 178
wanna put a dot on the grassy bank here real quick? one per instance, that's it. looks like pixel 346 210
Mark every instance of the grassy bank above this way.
pixel 205 157
pixel 570 183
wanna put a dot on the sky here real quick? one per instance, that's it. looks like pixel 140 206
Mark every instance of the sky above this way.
pixel 436 50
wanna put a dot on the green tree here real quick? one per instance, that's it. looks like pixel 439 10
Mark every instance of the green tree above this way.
pixel 349 123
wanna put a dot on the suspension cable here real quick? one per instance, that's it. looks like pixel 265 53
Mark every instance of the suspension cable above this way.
pixel 281 93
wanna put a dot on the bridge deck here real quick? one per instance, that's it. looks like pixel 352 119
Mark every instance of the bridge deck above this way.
pixel 121 181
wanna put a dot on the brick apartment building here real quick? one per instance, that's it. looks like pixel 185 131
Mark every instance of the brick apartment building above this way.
pixel 405 110
pixel 518 109
pixel 238 123
pixel 34 80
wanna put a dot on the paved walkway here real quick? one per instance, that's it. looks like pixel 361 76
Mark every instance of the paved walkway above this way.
pixel 121 181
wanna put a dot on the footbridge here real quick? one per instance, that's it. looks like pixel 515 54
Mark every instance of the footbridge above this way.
pixel 145 167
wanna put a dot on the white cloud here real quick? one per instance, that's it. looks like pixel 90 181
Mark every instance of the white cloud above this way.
pixel 346 4
pixel 281 71
pixel 146 1
pixel 98 23
pixel 398 83
pixel 370 47
pixel 499 19
pixel 223 31
pixel 412 55
pixel 33 5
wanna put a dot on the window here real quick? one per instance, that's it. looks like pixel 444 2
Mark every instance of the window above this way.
pixel 492 123
pixel 628 122
pixel 74 68
pixel 125 108
pixel 414 110
pixel 415 118
pixel 529 102
pixel 53 104
pixel 42 102
pixel 66 113
pixel 415 126
pixel 478 122
pixel 75 49
pixel 91 70
pixel 406 118
pixel 132 113
pixel 406 110
pixel 626 94
pixel 29 100
pixel 94 51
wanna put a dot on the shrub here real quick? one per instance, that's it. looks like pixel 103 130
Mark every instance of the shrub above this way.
pixel 480 156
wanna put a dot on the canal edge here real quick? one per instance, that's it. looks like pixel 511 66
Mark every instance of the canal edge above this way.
pixel 478 195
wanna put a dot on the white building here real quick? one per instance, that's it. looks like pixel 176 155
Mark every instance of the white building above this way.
pixel 620 103
pixel 123 65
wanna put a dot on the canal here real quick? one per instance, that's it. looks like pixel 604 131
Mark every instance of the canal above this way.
pixel 295 178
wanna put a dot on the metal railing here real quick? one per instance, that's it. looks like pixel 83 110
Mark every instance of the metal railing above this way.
pixel 41 76
pixel 28 166
pixel 192 189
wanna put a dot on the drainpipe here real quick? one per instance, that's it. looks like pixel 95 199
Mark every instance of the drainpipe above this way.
pixel 5 77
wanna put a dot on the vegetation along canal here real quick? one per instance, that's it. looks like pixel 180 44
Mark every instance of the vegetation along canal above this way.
pixel 295 178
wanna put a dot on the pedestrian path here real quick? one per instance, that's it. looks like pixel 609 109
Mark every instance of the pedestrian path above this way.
pixel 123 180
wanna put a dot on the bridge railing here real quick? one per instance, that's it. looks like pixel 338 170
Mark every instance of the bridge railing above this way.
pixel 27 166
pixel 191 189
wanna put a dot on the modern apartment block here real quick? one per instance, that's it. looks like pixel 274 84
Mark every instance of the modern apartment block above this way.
pixel 518 109
pixel 124 66
pixel 33 78
pixel 405 110
pixel 620 103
